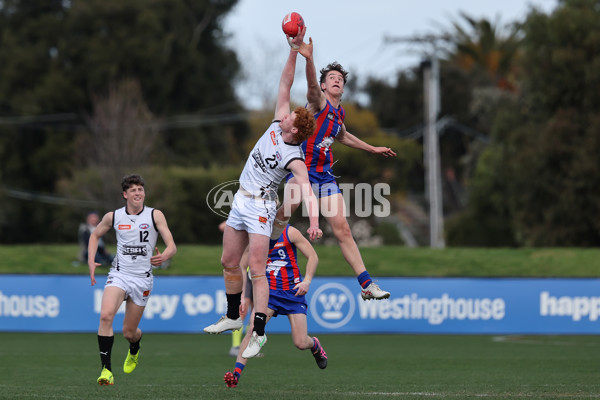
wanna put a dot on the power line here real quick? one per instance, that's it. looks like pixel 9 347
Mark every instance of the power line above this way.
pixel 46 198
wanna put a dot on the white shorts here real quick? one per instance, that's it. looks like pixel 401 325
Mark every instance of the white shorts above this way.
pixel 252 214
pixel 137 288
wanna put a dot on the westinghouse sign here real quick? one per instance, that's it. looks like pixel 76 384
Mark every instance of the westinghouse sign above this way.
pixel 417 305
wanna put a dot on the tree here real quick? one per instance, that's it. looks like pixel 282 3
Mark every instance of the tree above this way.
pixel 545 169
pixel 56 56
pixel 123 137
pixel 486 47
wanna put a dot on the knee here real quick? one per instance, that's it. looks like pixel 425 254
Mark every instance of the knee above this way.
pixel 232 274
pixel 342 230
pixel 228 266
pixel 106 318
pixel 301 344
pixel 129 333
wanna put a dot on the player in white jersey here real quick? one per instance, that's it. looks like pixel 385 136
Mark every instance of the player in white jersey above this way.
pixel 250 220
pixel 130 278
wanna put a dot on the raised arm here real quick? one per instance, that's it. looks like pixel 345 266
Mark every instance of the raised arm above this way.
pixel 348 139
pixel 314 95
pixel 287 76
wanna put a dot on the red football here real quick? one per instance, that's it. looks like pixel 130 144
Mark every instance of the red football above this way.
pixel 292 22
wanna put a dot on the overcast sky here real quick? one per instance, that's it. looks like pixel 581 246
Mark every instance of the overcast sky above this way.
pixel 351 32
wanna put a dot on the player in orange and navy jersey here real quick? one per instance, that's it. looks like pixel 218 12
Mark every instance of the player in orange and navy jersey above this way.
pixel 287 290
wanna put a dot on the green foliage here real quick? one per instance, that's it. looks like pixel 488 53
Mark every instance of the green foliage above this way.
pixel 181 193
pixel 389 233
pixel 57 57
pixel 486 47
pixel 400 106
pixel 540 175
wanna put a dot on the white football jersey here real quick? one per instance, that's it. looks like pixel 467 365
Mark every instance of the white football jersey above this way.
pixel 267 164
pixel 136 240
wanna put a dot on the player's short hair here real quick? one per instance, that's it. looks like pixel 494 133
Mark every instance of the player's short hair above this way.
pixel 130 180
pixel 305 123
pixel 334 66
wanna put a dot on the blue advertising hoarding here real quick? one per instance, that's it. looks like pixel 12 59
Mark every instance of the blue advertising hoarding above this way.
pixel 185 304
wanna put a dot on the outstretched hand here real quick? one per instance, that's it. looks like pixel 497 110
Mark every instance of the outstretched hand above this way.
pixel 296 42
pixel 306 49
pixel 384 151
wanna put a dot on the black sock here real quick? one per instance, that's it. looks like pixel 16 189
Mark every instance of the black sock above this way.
pixel 233 305
pixel 105 344
pixel 260 320
pixel 134 347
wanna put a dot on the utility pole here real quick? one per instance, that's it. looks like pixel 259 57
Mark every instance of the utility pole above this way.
pixel 433 175
pixel 431 151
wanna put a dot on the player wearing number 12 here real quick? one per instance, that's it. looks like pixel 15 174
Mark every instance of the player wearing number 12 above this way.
pixel 130 277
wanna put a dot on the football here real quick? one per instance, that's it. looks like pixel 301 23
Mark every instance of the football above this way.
pixel 292 23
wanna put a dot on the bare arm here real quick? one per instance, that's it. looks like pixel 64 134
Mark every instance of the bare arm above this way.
pixel 287 77
pixel 167 237
pixel 348 139
pixel 314 95
pixel 298 168
pixel 99 231
pixel 312 259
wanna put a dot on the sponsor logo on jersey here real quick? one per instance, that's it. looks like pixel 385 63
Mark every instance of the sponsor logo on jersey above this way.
pixel 135 251
pixel 273 138
pixel 262 220
pixel 326 144
pixel 279 244
pixel 124 227
pixel 258 161
pixel 146 293
pixel 144 226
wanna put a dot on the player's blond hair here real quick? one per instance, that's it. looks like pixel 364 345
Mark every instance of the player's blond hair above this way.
pixel 305 123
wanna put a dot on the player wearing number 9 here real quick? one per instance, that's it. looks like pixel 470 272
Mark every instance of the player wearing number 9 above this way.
pixel 130 277
pixel 287 290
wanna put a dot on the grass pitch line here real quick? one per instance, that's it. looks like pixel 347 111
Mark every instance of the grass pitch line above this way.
pixel 524 340
pixel 467 395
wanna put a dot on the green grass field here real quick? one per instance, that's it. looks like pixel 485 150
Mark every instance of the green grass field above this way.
pixel 65 366
pixel 380 261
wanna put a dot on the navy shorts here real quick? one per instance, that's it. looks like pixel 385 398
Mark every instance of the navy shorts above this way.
pixel 323 183
pixel 284 302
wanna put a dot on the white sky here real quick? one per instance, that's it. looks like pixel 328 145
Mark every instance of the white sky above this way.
pixel 351 32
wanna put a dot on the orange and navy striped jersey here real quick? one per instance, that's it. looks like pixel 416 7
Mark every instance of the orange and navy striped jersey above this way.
pixel 317 152
pixel 282 265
